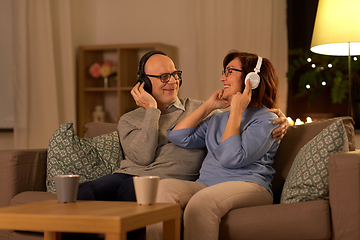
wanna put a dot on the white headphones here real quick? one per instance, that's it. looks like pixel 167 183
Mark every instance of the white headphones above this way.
pixel 254 76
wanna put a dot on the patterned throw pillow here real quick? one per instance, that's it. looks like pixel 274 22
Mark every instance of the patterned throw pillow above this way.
pixel 90 158
pixel 308 177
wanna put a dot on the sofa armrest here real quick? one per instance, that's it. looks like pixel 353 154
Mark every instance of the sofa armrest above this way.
pixel 21 170
pixel 344 191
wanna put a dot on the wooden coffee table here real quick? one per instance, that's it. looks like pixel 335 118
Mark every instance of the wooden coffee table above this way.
pixel 114 219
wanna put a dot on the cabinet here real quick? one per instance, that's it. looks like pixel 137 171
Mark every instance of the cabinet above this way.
pixel 115 98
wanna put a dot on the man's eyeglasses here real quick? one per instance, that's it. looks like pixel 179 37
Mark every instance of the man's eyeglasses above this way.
pixel 165 77
pixel 228 71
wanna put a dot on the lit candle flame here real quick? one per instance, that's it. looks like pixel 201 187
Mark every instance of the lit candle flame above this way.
pixel 308 120
pixel 291 122
pixel 298 122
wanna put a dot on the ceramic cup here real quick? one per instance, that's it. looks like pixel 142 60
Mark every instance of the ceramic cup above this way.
pixel 66 188
pixel 146 189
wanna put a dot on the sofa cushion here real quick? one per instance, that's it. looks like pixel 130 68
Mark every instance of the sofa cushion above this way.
pixel 302 220
pixel 308 178
pixel 99 128
pixel 32 196
pixel 90 158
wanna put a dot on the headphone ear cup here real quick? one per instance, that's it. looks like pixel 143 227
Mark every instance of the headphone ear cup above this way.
pixel 254 79
pixel 141 72
pixel 147 83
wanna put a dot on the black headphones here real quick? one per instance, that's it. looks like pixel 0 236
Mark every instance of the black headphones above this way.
pixel 254 76
pixel 141 72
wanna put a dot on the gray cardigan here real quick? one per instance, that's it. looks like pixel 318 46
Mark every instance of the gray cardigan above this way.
pixel 147 148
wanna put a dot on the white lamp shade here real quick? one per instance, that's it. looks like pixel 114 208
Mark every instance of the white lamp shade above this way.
pixel 337 24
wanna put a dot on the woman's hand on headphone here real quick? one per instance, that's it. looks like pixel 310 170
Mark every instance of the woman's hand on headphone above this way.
pixel 141 97
pixel 240 101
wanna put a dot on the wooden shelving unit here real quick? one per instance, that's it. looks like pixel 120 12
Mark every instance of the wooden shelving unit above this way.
pixel 116 98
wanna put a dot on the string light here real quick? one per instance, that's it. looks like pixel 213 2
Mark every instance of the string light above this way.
pixel 307 86
pixel 330 65
pixel 309 59
pixel 323 83
pixel 355 58
pixel 313 65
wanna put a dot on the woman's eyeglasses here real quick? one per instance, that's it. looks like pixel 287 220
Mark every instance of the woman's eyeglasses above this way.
pixel 228 71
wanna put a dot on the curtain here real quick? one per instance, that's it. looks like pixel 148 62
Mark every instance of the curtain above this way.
pixel 43 70
pixel 257 26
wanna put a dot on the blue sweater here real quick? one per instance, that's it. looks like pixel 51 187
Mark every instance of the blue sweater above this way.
pixel 247 156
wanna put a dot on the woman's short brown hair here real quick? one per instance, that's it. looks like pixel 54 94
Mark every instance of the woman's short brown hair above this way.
pixel 266 93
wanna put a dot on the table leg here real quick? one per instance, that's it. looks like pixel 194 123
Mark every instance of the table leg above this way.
pixel 114 236
pixel 52 235
pixel 171 229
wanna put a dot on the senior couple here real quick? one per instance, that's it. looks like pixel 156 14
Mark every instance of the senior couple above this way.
pixel 209 161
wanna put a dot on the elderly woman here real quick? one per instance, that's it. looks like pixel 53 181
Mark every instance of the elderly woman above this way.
pixel 237 171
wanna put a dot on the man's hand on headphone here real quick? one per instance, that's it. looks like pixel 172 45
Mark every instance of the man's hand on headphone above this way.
pixel 141 97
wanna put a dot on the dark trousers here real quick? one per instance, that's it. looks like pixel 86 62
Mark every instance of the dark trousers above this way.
pixel 114 187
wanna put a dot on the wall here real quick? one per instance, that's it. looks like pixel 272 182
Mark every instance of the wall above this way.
pixel 6 96
pixel 121 21
pixel 6 104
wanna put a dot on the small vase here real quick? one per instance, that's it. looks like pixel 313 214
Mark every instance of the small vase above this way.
pixel 98 114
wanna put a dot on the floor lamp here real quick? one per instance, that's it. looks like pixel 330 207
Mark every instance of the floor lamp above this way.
pixel 337 32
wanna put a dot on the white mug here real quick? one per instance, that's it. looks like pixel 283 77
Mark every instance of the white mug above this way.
pixel 66 188
pixel 146 189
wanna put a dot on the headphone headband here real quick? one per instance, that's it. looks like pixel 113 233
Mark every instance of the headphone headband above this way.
pixel 144 59
pixel 258 65
pixel 254 76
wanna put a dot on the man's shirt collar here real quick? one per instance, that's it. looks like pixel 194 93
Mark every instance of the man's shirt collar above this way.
pixel 177 104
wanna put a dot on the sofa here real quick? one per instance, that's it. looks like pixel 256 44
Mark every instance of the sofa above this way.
pixel 23 174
